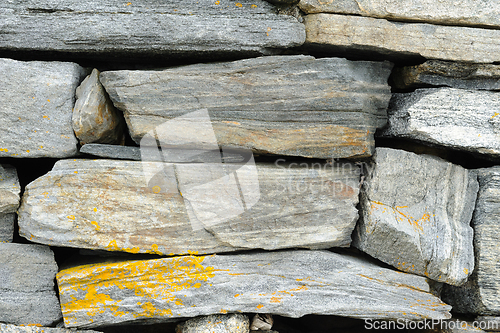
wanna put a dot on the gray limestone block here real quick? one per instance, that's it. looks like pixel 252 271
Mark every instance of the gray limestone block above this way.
pixel 10 189
pixel 353 34
pixel 169 27
pixel 286 283
pixel 165 208
pixel 451 74
pixel 27 292
pixel 6 328
pixel 218 323
pixel 466 120
pixel 36 108
pixel 7 227
pixel 95 119
pixel 416 213
pixel 287 105
pixel 456 12
pixel 480 294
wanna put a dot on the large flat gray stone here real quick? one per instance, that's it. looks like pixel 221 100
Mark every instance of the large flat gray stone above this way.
pixel 287 283
pixel 114 27
pixel 27 292
pixel 36 107
pixel 459 119
pixel 416 213
pixel 345 34
pixel 191 207
pixel 287 105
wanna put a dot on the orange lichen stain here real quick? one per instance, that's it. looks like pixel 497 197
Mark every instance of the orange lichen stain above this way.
pixel 232 122
pixel 4 149
pixel 495 114
pixel 237 295
pixel 157 282
pixel 239 5
pixel 260 306
pixel 35 325
pixel 76 171
pixel 253 6
pixel 217 2
pixel 192 252
pixel 156 189
pixel 417 224
pixel 97 227
pixel 95 209
pixel 276 299
pixel 28 151
pixel 155 249
pixel 114 247
pixel 71 217
pixel 268 29
pixel 223 311
pixel 466 271
pixel 128 3
pixel 46 117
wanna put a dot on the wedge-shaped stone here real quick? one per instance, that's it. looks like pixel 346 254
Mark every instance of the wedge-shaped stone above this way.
pixel 345 34
pixel 113 27
pixel 289 283
pixel 416 213
pixel 461 12
pixel 27 292
pixel 191 207
pixel 6 328
pixel 10 191
pixel 36 107
pixel 288 105
pixel 480 294
pixel 451 74
pixel 453 118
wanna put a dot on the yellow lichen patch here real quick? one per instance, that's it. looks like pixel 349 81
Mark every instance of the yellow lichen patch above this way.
pixel 97 227
pixel 268 29
pixel 28 151
pixel 253 6
pixel 156 283
pixel 46 117
pixel 239 5
pixel 156 189
pixel 260 306
pixel 417 224
pixel 495 114
pixel 237 295
pixel 114 247
pixel 223 311
pixel 155 249
pixel 466 271
pixel 217 2
pixel 232 122
pixel 71 217
pixel 95 209
pixel 4 149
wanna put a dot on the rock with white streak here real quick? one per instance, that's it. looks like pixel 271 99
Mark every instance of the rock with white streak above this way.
pixel 287 283
pixel 181 208
pixel 416 213
pixel 6 328
pixel 452 118
pixel 352 35
pixel 27 292
pixel 95 119
pixel 36 107
pixel 10 191
pixel 219 323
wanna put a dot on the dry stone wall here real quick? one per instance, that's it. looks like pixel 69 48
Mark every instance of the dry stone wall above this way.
pixel 233 166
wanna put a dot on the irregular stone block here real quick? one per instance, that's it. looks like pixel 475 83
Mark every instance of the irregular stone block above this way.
pixel 287 105
pixel 5 328
pixel 10 189
pixel 27 294
pixel 37 107
pixel 416 213
pixel 191 207
pixel 7 227
pixel 461 12
pixel 95 119
pixel 450 74
pixel 454 118
pixel 480 294
pixel 289 283
pixel 170 27
pixel 232 323
pixel 354 34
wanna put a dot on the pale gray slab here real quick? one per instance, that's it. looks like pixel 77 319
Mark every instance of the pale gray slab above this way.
pixel 6 328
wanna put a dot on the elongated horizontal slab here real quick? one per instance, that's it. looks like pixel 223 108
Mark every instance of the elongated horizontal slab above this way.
pixel 289 283
pixel 201 207
pixel 288 105
pixel 36 108
pixel 143 28
pixel 351 34
pixel 453 118
pixel 461 12
pixel 6 328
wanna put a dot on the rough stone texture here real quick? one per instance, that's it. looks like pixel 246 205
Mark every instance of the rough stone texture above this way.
pixel 461 12
pixel 10 191
pixel 489 323
pixel 416 213
pixel 288 105
pixel 5 328
pixel 450 74
pixel 7 227
pixel 139 27
pixel 95 119
pixel 453 118
pixel 354 34
pixel 232 323
pixel 112 151
pixel 289 283
pixel 27 294
pixel 309 206
pixel 480 294
pixel 37 106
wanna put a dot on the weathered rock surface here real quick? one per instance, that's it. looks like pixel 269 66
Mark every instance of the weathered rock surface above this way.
pixel 289 283
pixel 453 118
pixel 489 323
pixel 7 227
pixel 37 106
pixel 95 119
pixel 112 151
pixel 480 294
pixel 219 323
pixel 10 191
pixel 6 328
pixel 450 74
pixel 27 294
pixel 461 12
pixel 191 207
pixel 352 34
pixel 167 27
pixel 288 105
pixel 416 213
